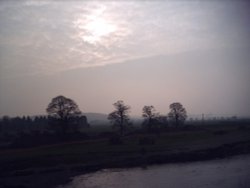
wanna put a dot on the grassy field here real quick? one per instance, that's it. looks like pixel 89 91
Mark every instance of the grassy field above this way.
pixel 190 143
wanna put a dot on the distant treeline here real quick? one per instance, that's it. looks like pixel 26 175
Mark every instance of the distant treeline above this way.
pixel 27 124
pixel 65 122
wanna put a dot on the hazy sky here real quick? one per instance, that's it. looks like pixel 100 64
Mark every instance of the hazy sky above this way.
pixel 142 52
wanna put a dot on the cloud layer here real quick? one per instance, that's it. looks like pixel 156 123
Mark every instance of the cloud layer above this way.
pixel 47 37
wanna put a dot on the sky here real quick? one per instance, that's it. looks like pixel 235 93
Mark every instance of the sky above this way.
pixel 142 52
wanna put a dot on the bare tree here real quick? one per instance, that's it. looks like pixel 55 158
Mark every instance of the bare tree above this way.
pixel 177 113
pixel 119 117
pixel 150 116
pixel 61 109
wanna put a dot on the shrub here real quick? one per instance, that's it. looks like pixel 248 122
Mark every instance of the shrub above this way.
pixel 147 140
pixel 115 140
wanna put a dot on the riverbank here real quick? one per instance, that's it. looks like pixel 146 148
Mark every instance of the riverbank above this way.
pixel 49 166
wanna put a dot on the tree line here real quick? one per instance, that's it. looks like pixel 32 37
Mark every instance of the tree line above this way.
pixel 120 116
pixel 61 109
pixel 64 116
pixel 65 121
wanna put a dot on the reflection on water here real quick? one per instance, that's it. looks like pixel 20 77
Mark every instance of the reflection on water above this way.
pixel 226 173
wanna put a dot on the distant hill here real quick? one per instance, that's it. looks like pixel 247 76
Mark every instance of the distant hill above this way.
pixel 102 119
pixel 94 118
pixel 97 118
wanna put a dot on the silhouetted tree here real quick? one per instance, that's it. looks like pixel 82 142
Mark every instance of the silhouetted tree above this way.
pixel 150 115
pixel 177 113
pixel 6 120
pixel 6 123
pixel 120 116
pixel 60 110
pixel 162 121
pixel 40 123
pixel 1 126
pixel 77 123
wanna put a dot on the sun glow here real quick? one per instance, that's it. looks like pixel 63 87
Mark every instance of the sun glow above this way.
pixel 95 26
pixel 96 29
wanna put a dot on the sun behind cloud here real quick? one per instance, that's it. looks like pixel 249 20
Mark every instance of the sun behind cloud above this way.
pixel 97 29
pixel 95 26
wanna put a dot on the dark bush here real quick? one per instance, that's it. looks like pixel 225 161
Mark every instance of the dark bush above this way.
pixel 220 132
pixel 115 140
pixel 147 140
pixel 242 128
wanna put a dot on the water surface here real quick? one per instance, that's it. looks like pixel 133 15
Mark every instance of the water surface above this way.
pixel 224 173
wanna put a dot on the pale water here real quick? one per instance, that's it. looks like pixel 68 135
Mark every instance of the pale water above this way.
pixel 225 173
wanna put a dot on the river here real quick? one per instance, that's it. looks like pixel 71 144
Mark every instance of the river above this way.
pixel 223 173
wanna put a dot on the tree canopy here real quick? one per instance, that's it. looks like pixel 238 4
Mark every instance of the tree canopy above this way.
pixel 120 116
pixel 177 113
pixel 61 109
pixel 150 116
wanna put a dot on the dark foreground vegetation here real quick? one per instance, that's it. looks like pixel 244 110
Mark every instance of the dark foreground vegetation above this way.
pixel 49 165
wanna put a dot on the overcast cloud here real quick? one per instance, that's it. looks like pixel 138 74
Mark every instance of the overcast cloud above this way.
pixel 44 40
